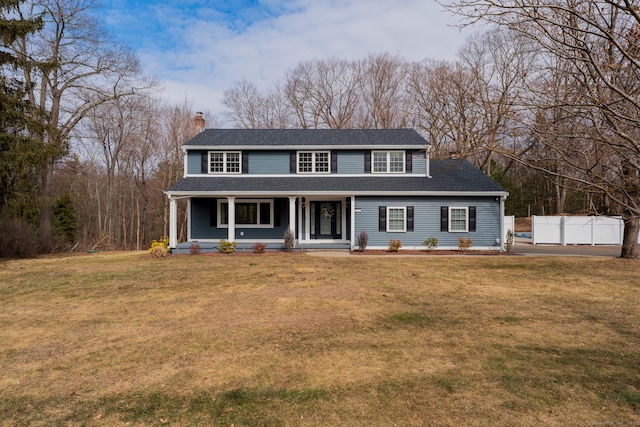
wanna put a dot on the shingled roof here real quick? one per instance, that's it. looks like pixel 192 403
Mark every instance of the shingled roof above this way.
pixel 265 138
pixel 448 176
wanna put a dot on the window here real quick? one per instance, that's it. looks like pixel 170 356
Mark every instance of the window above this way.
pixel 313 162
pixel 388 162
pixel 249 213
pixel 224 162
pixel 396 219
pixel 458 219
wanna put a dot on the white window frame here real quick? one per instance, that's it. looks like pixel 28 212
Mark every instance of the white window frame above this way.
pixel 466 218
pixel 404 218
pixel 314 161
pixel 225 162
pixel 219 223
pixel 388 161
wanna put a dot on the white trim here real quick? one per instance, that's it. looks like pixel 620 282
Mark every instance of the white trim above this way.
pixel 225 163
pixel 404 219
pixel 388 162
pixel 307 174
pixel 466 223
pixel 345 193
pixel 313 162
pixel 189 218
pixel 243 201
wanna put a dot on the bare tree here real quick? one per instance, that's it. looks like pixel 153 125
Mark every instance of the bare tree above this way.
pixel 71 67
pixel 600 41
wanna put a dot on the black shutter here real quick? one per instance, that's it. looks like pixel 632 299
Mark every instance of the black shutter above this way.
pixel 245 162
pixel 204 162
pixel 409 218
pixel 444 218
pixel 409 163
pixel 334 162
pixel 472 218
pixel 382 218
pixel 367 162
pixel 213 212
pixel 293 162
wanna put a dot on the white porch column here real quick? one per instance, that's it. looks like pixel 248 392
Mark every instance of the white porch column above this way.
pixel 353 223
pixel 231 232
pixel 292 214
pixel 173 223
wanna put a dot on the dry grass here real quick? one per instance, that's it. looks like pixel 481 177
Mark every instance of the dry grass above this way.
pixel 295 340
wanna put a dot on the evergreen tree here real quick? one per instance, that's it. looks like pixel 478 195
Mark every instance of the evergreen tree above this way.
pixel 20 155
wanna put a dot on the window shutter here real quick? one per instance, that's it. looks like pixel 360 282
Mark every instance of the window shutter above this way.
pixel 204 162
pixel 382 218
pixel 409 162
pixel 409 218
pixel 213 213
pixel 334 162
pixel 245 162
pixel 367 162
pixel 293 167
pixel 472 218
pixel 444 218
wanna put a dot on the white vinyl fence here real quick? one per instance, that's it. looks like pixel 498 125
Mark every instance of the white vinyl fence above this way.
pixel 576 230
pixel 509 224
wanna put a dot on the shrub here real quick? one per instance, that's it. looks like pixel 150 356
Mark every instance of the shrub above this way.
pixel 464 244
pixel 226 246
pixel 509 242
pixel 289 240
pixel 194 249
pixel 159 252
pixel 394 245
pixel 258 248
pixel 431 243
pixel 363 240
pixel 164 242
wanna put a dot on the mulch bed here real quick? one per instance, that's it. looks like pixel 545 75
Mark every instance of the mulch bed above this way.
pixel 426 253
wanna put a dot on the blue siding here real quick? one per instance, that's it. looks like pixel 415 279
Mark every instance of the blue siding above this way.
pixel 427 221
pixel 268 162
pixel 203 222
pixel 350 162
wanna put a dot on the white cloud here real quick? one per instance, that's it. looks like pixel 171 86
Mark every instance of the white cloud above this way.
pixel 210 54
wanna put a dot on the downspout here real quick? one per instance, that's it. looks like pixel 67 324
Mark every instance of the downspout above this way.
pixel 502 230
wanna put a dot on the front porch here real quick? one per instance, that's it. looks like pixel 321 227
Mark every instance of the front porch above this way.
pixel 318 222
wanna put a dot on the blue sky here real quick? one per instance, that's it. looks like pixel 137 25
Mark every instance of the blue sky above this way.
pixel 200 48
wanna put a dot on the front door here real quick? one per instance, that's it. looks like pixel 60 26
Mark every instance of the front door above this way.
pixel 326 220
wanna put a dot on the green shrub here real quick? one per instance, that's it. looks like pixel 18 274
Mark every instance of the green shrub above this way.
pixel 394 245
pixel 431 243
pixel 226 246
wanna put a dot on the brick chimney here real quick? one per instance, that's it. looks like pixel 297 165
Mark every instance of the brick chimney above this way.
pixel 198 123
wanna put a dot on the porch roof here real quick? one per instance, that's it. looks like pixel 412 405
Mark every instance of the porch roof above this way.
pixel 448 177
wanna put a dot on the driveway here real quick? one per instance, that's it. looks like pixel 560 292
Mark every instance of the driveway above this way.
pixel 524 247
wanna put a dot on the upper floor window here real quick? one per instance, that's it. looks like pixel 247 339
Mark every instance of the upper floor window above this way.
pixel 388 162
pixel 224 162
pixel 313 162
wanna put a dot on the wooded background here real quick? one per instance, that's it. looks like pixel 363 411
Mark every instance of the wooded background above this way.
pixel 545 100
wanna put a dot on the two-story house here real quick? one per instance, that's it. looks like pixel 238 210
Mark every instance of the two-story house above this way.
pixel 326 185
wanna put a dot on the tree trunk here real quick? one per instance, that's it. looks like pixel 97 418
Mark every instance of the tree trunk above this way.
pixel 630 239
pixel 46 237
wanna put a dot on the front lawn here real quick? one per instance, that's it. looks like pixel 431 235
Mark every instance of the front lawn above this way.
pixel 295 340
